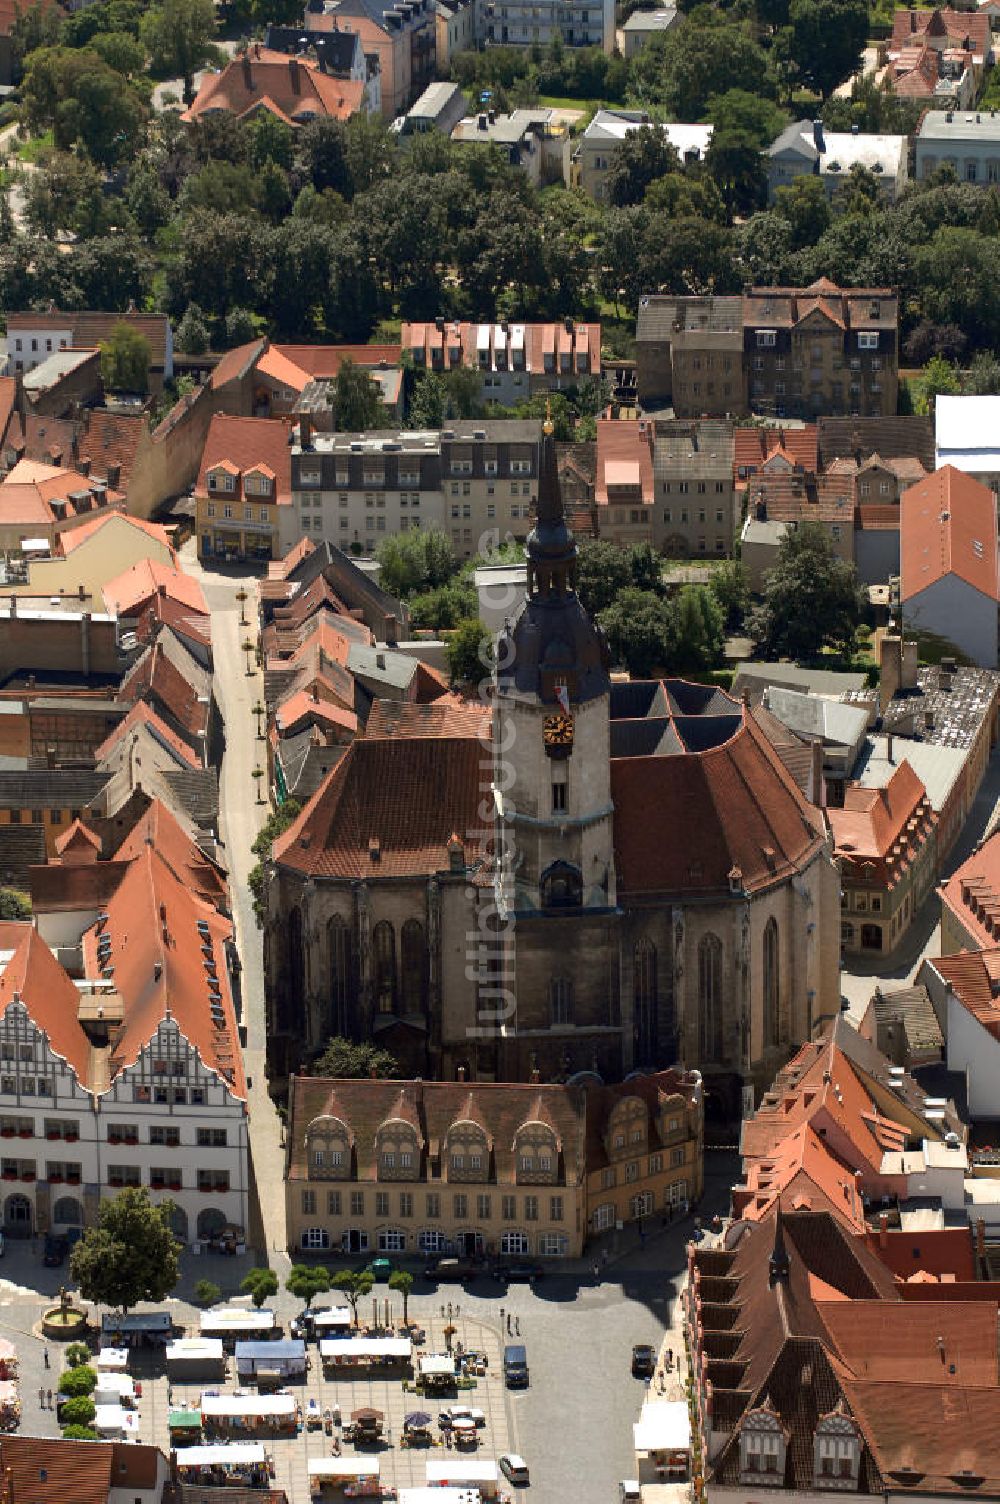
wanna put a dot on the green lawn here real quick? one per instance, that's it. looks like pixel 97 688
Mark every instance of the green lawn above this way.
pixel 35 146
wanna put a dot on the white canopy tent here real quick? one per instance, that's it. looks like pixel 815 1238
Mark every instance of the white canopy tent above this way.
pixel 228 1454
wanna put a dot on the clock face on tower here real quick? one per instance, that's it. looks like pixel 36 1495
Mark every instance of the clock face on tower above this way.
pixel 557 734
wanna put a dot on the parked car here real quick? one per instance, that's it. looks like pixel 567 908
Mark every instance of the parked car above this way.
pixel 515 1469
pixel 379 1268
pixel 643 1361
pixel 522 1271
pixel 55 1251
pixel 451 1271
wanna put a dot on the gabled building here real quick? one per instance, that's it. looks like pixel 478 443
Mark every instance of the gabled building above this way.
pixel 607 130
pixel 294 90
pixel 970 901
pixel 338 52
pixel 948 583
pixel 34 335
pixel 39 502
pixel 806 149
pixel 624 492
pixel 403 36
pixel 516 361
pixel 244 483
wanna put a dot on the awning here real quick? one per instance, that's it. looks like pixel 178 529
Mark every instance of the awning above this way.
pixel 231 1454
pixel 664 1426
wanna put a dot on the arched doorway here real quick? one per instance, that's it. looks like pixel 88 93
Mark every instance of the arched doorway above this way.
pixel 210 1222
pixel 179 1223
pixel 17 1217
pixel 68 1212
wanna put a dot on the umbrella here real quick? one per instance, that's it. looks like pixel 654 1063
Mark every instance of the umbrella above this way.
pixel 367 1417
pixel 418 1419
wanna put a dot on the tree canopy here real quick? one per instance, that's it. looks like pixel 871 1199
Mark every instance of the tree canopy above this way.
pixel 125 359
pixel 346 1058
pixel 811 598
pixel 130 1254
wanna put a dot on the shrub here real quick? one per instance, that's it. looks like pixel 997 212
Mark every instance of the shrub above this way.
pixel 77 1353
pixel 79 1380
pixel 78 1412
pixel 79 1433
pixel 206 1294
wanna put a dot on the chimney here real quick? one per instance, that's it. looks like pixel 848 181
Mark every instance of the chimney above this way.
pixel 883 1230
pixel 777 1264
pixel 889 656
pixel 305 431
pixel 293 74
pixel 247 74
pixel 818 141
pixel 380 660
pixel 888 747
pixel 460 1073
pixel 114 476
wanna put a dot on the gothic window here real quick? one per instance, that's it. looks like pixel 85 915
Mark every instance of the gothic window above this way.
pixel 561 887
pixel 413 967
pixel 771 980
pixel 644 992
pixel 384 953
pixel 338 939
pixel 290 1000
pixel 560 1001
pixel 710 997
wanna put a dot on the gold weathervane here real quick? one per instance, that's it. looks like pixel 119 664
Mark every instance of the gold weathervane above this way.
pixel 548 427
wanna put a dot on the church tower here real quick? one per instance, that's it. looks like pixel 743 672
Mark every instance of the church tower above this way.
pixel 554 886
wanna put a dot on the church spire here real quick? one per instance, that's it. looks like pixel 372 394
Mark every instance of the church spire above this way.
pixel 777 1264
pixel 551 547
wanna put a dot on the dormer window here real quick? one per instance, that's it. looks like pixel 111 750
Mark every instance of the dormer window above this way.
pixel 256 484
pixel 221 480
pixel 837 1451
pixel 763 1445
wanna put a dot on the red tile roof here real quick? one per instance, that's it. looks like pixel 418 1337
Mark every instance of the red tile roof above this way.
pixel 294 89
pixel 451 715
pixel 153 924
pixel 873 821
pixel 961 28
pixel 8 384
pixel 973 893
pixel 752 446
pixel 562 346
pixel 751 816
pixel 931 1437
pixel 806 1174
pixel 974 977
pixel 624 460
pixel 247 444
pixel 42 1469
pixel 73 537
pixel 189 864
pixel 323 362
pixel 948 526
pixel 88 328
pixel 389 809
pixel 156 676
pixel 879 1342
pixel 794 496
pixel 34 976
pixel 38 495
pixel 127 594
pixel 236 363
pixel 302 709
pixel 144 714
pixel 944 1252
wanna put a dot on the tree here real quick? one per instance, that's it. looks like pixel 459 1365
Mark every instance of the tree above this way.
pixel 79 1380
pixel 825 40
pixel 728 585
pixel 125 360
pixel 603 571
pixel 83 101
pixel 698 625
pixel 121 51
pixel 78 1412
pixel 643 156
pixel 744 124
pixel 442 608
pixel 640 631
pixel 306 1281
pixel 357 401
pixel 65 193
pixel 346 1059
pixel 269 140
pixel 14 904
pixel 80 1433
pixel 77 1353
pixel 402 1280
pixel 146 199
pixel 811 597
pixel 938 378
pixel 983 376
pixel 806 208
pixel 415 561
pixel 240 327
pixel 206 1293
pixel 130 1254
pixel 354 1285
pixel 178 34
pixel 192 335
pixel 468 652
pixel 260 1285
pixel 274 826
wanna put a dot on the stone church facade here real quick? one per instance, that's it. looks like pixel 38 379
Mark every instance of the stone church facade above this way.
pixel 581 875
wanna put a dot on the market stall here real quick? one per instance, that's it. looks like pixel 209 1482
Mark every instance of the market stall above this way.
pixel 112 1360
pixel 184 1427
pixel 8 1360
pixel 344 1477
pixel 436 1372
pixel 365 1352
pixel 115 1389
pixel 241 1322
pixel 112 1423
pixel 440 1496
pixel 271 1362
pixel 194 1358
pixel 10 1406
pixel 417 1430
pixel 237 1464
pixel 236 1414
pixel 333 1323
pixel 137 1328
pixel 662 1441
pixel 365 1429
pixel 464 1472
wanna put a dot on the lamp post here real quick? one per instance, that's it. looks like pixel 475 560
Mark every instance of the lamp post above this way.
pixel 258 710
pixel 258 774
pixel 248 649
pixel 241 596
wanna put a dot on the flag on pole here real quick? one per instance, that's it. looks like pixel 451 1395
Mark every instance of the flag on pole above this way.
pixel 562 695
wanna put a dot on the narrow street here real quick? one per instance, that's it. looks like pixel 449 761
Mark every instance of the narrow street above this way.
pixel 241 817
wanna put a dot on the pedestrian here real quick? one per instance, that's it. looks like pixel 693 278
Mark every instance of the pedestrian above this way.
pixel 41 1398
pixel 596 1271
pixel 50 1399
pixel 45 1356
pixel 517 1326
pixel 508 1323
